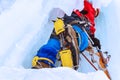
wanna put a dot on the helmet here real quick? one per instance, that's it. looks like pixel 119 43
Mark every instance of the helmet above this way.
pixel 97 11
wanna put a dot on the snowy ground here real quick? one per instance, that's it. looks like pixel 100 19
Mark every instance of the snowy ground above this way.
pixel 25 25
pixel 48 74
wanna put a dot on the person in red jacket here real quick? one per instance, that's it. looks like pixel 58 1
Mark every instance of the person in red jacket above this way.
pixel 90 13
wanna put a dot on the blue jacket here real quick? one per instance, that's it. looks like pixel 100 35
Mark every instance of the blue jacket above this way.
pixel 52 47
pixel 50 50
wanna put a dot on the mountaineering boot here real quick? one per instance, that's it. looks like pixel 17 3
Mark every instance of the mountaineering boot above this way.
pixel 41 65
pixel 38 63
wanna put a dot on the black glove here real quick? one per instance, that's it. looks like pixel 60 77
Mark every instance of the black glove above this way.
pixel 96 43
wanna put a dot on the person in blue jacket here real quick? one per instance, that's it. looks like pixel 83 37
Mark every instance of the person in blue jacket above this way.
pixel 46 55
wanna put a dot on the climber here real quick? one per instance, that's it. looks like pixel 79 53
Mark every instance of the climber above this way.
pixel 74 38
pixel 90 13
pixel 46 55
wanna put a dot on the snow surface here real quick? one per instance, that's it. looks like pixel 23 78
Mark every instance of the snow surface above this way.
pixel 25 25
pixel 48 74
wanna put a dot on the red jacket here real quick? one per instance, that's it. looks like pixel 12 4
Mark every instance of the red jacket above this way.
pixel 90 15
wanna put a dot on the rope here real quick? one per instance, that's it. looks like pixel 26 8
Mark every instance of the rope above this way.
pixel 89 62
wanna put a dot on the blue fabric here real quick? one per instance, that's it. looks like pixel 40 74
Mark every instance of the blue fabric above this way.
pixel 83 39
pixel 50 50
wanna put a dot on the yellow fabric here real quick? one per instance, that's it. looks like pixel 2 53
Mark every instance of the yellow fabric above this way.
pixel 66 58
pixel 36 58
pixel 59 26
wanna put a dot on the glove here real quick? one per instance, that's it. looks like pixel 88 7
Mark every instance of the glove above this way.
pixel 96 43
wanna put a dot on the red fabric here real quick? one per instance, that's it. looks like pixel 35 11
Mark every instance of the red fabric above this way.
pixel 90 15
pixel 77 12
pixel 92 29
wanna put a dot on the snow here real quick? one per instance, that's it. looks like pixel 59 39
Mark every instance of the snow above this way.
pixel 48 74
pixel 25 25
